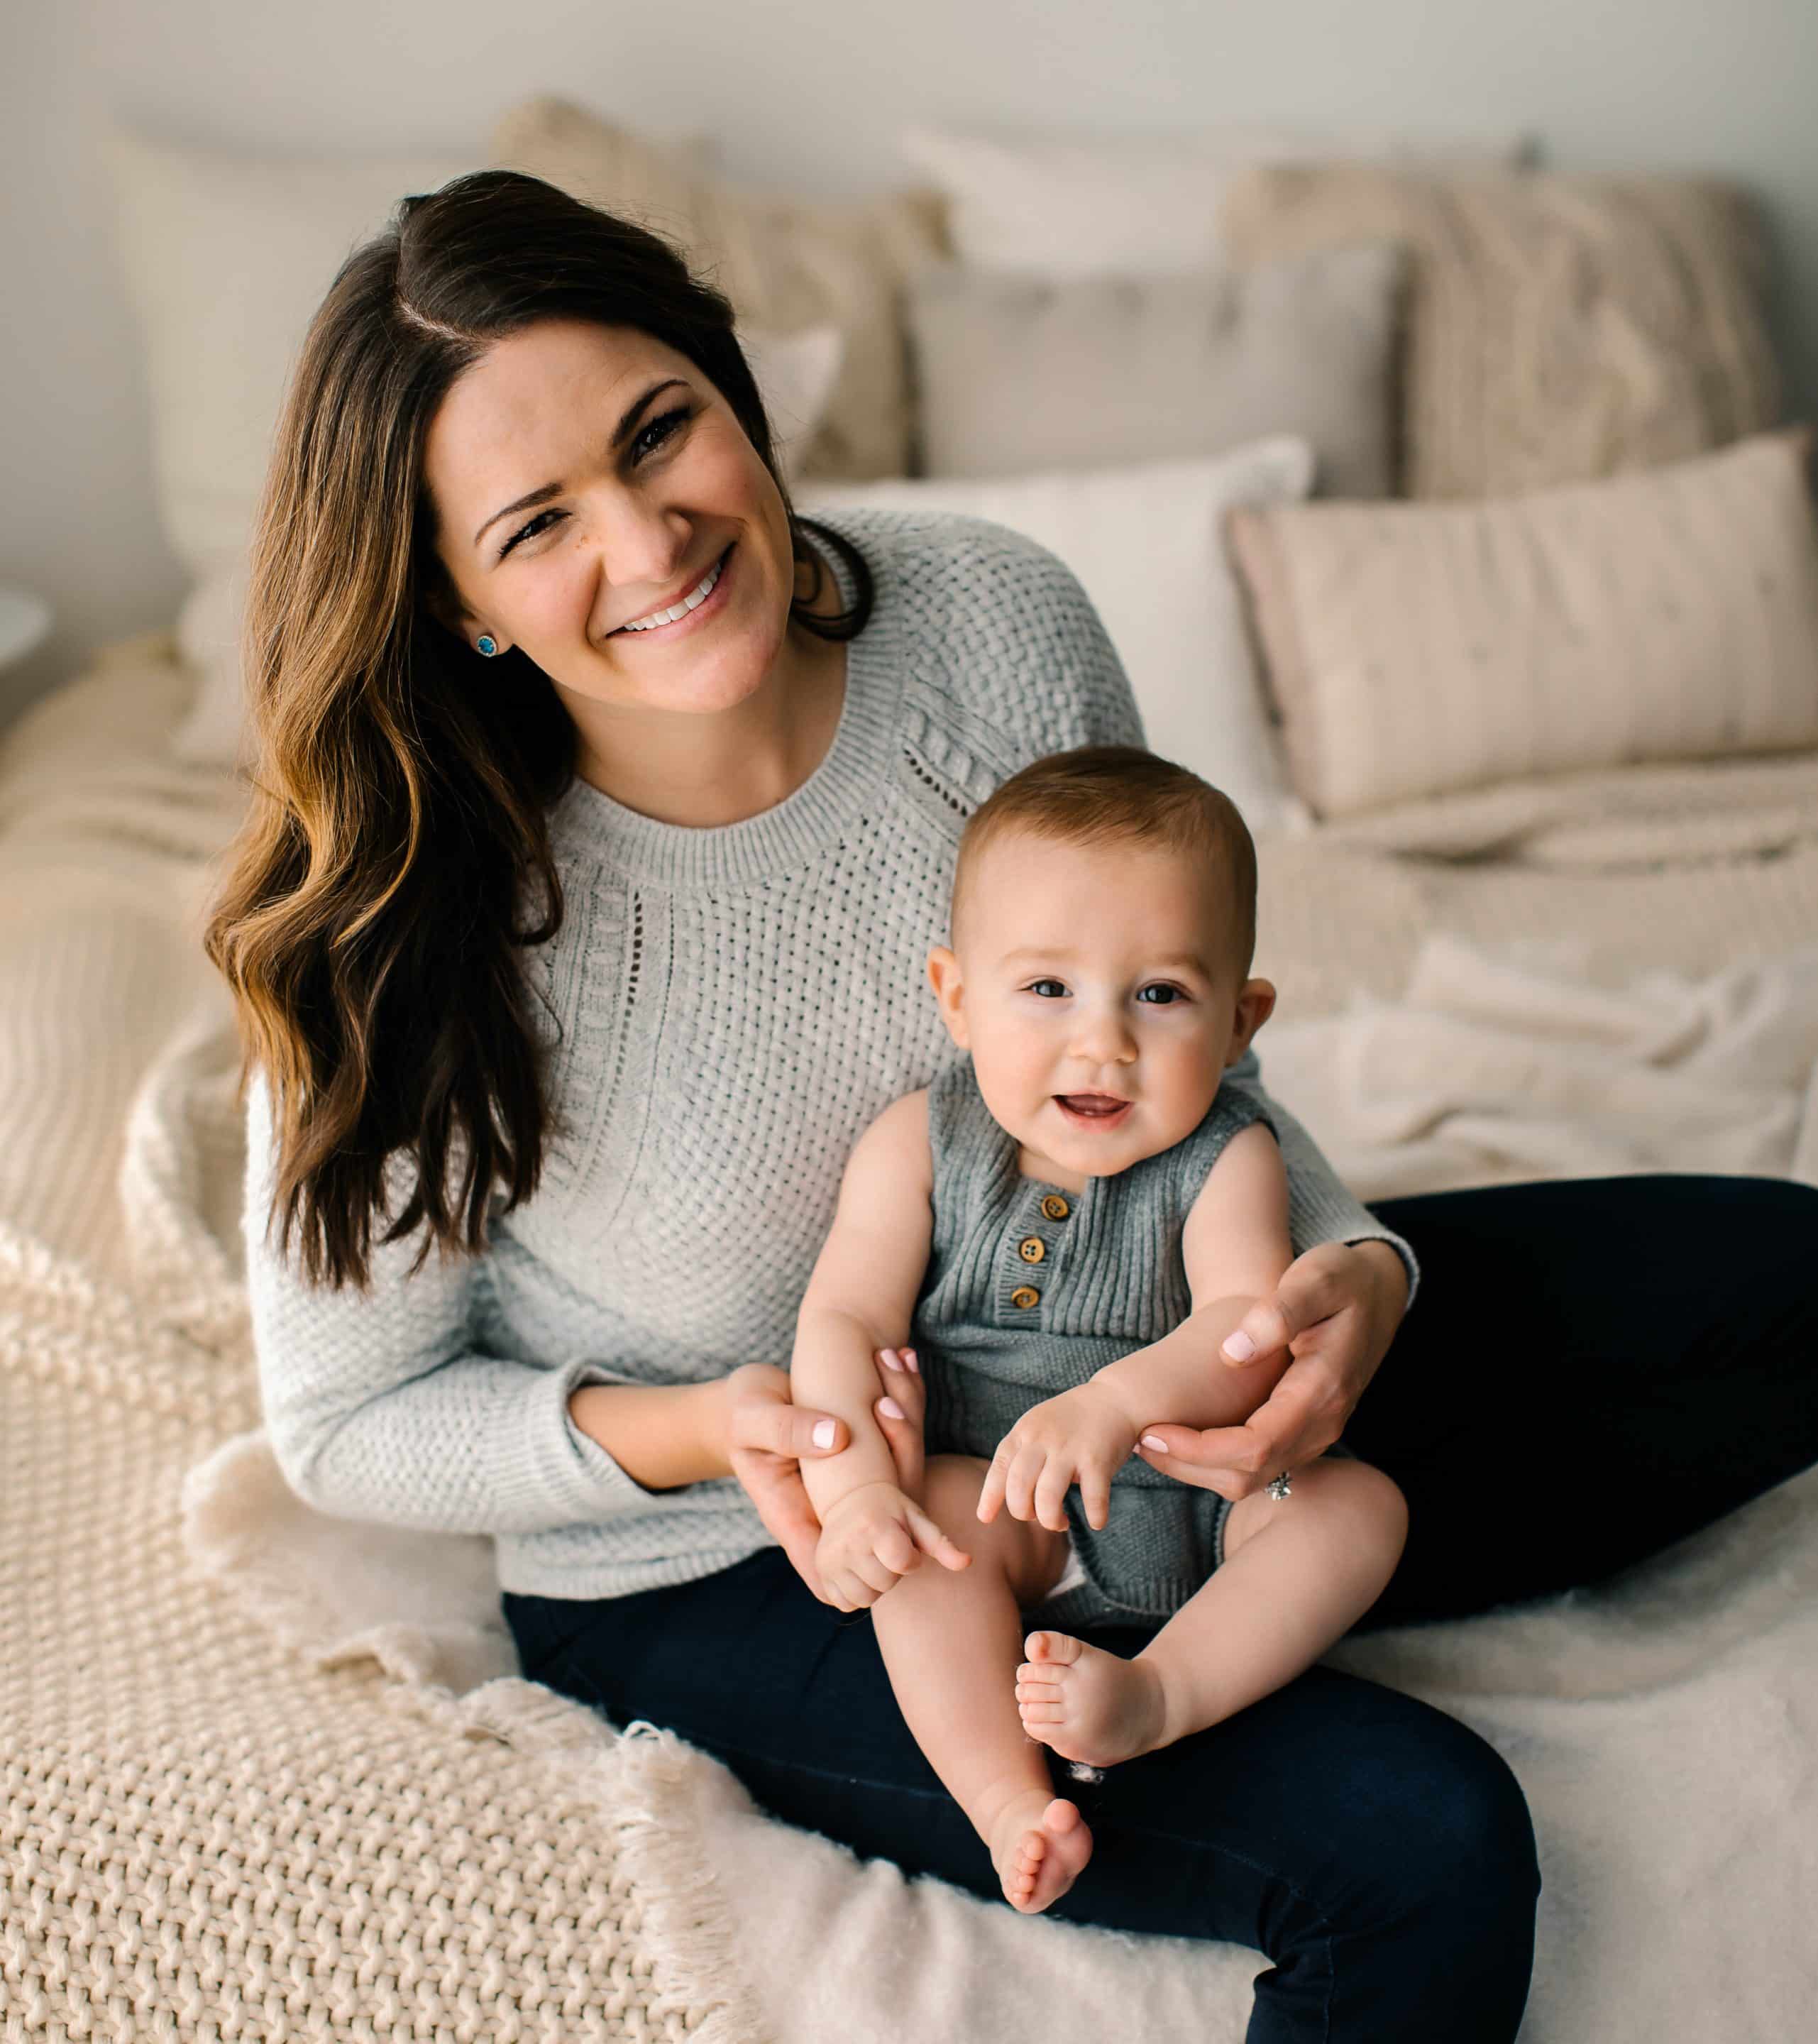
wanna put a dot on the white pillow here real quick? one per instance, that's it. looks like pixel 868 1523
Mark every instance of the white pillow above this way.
pixel 1137 206
pixel 1147 544
pixel 795 374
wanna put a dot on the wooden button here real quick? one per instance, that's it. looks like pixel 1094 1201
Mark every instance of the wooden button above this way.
pixel 1025 1295
pixel 1055 1208
pixel 1032 1249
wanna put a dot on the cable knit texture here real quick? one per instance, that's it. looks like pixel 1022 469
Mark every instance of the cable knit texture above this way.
pixel 723 1010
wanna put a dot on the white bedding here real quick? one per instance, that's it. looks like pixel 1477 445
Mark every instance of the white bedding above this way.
pixel 1663 1726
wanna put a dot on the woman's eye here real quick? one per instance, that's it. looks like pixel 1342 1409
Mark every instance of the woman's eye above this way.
pixel 525 532
pixel 1036 985
pixel 661 428
pixel 1173 994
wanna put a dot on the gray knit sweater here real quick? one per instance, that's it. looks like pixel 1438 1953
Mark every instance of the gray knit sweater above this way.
pixel 725 1010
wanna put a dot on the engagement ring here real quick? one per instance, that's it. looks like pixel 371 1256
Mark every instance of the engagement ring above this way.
pixel 1279 1486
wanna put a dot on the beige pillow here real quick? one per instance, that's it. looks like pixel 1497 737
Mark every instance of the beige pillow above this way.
pixel 1018 374
pixel 785 263
pixel 1560 327
pixel 1414 649
pixel 1132 205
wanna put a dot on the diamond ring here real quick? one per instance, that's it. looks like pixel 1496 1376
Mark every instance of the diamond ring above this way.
pixel 1279 1486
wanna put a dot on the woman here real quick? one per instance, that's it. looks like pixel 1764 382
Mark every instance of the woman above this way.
pixel 605 811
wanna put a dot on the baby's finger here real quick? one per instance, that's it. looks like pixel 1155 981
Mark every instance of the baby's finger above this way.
pixel 896 1550
pixel 991 1490
pixel 1019 1483
pixel 1051 1489
pixel 1095 1497
pixel 873 1573
pixel 934 1543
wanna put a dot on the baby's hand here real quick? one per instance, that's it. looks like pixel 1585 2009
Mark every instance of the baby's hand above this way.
pixel 871 1538
pixel 1083 1436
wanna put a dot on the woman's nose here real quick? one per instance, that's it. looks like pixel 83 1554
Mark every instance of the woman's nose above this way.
pixel 643 548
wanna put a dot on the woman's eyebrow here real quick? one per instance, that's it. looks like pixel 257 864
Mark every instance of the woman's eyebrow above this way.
pixel 621 434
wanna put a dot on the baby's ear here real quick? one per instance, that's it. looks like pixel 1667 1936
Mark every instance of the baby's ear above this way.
pixel 1256 1003
pixel 950 991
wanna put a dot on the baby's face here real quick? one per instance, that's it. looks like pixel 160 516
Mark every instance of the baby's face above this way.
pixel 1098 991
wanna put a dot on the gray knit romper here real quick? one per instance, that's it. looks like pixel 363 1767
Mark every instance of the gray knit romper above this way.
pixel 1030 1289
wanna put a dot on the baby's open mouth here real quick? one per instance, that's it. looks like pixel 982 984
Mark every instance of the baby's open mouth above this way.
pixel 1093 1106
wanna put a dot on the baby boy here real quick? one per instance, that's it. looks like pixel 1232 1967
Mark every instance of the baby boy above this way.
pixel 1067 1222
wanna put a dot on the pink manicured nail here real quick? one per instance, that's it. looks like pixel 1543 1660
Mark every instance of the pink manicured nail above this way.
pixel 909 1362
pixel 823 1434
pixel 1150 1441
pixel 890 1410
pixel 1239 1346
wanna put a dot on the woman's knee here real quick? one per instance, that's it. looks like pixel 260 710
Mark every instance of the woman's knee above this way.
pixel 1473 1859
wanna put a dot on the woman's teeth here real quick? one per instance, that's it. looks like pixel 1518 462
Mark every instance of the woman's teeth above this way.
pixel 695 598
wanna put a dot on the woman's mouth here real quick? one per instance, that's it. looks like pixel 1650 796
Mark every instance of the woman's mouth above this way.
pixel 707 597
pixel 1093 1110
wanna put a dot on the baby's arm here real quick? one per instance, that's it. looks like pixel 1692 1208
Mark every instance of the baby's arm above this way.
pixel 862 1294
pixel 1235 1245
pixel 860 1298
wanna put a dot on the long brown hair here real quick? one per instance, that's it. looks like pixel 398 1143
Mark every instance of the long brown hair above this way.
pixel 368 921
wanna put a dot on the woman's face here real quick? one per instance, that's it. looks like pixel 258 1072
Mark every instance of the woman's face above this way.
pixel 645 486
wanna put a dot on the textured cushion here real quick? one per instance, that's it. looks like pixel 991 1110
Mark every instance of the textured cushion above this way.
pixel 1018 373
pixel 1135 205
pixel 227 256
pixel 1559 328
pixel 785 262
pixel 1413 649
pixel 1145 542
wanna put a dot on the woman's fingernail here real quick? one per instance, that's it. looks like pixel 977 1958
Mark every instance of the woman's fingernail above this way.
pixel 909 1362
pixel 890 1410
pixel 1239 1346
pixel 1152 1441
pixel 823 1434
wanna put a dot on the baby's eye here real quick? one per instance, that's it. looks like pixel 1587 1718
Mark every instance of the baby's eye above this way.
pixel 1036 985
pixel 1171 994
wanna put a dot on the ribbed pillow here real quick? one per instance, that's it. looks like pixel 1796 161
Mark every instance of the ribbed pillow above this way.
pixel 1018 374
pixel 1559 328
pixel 1413 649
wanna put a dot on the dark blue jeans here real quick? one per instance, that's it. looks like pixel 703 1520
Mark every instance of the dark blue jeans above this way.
pixel 1592 1370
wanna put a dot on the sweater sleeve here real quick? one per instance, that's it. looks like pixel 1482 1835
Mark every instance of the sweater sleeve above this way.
pixel 1321 1208
pixel 378 1407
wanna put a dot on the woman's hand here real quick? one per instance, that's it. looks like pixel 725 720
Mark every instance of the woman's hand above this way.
pixel 767 1436
pixel 1336 1311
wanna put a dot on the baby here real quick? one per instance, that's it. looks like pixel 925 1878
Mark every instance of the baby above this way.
pixel 1068 1223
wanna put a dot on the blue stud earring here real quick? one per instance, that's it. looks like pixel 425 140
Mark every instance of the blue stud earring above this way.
pixel 488 646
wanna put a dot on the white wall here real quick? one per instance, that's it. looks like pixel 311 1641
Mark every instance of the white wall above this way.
pixel 796 94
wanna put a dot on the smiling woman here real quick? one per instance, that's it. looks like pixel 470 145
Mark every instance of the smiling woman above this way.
pixel 658 578
pixel 588 959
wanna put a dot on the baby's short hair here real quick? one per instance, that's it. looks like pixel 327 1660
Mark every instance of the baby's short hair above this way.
pixel 1100 794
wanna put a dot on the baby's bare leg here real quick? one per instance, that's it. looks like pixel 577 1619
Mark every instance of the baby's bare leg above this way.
pixel 951 1641
pixel 1297 1575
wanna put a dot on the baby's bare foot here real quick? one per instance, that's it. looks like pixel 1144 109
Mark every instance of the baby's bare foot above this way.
pixel 1038 1843
pixel 1087 1705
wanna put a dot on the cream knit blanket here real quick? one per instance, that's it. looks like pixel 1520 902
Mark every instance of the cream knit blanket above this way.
pixel 272 1773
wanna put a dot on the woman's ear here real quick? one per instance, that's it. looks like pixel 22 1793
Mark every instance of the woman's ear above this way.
pixel 1256 1003
pixel 950 991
